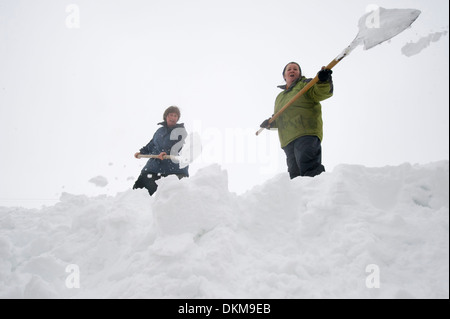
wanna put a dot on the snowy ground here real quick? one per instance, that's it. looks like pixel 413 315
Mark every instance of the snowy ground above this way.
pixel 356 232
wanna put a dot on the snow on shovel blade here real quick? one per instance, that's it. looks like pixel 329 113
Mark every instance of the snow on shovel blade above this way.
pixel 383 24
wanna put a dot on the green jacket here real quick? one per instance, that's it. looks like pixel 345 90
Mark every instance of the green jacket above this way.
pixel 304 116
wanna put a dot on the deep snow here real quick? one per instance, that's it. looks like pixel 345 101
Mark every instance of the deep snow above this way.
pixel 337 235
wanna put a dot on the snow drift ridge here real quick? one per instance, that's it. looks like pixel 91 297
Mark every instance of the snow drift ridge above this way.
pixel 305 238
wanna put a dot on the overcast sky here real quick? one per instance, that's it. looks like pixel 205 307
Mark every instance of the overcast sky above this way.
pixel 83 85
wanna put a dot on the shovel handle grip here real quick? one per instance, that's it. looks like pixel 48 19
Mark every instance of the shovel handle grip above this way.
pixel 259 131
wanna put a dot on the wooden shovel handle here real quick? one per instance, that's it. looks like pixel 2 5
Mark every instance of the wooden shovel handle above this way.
pixel 302 91
pixel 155 156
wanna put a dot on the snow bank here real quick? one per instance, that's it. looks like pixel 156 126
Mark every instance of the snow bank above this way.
pixel 356 232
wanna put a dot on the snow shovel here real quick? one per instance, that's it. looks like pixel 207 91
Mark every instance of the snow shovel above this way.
pixel 375 27
pixel 190 151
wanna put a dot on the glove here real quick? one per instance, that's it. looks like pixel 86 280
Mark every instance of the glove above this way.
pixel 324 75
pixel 266 124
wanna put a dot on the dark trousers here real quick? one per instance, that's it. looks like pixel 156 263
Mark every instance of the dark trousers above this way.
pixel 148 181
pixel 304 157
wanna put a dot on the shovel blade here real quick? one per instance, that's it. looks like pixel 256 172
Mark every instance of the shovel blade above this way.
pixel 383 24
pixel 191 150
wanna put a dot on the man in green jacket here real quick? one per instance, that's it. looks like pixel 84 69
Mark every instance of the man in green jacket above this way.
pixel 300 126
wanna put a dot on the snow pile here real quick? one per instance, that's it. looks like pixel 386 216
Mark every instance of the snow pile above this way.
pixel 356 232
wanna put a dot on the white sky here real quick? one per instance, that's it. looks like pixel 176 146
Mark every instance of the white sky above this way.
pixel 76 103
